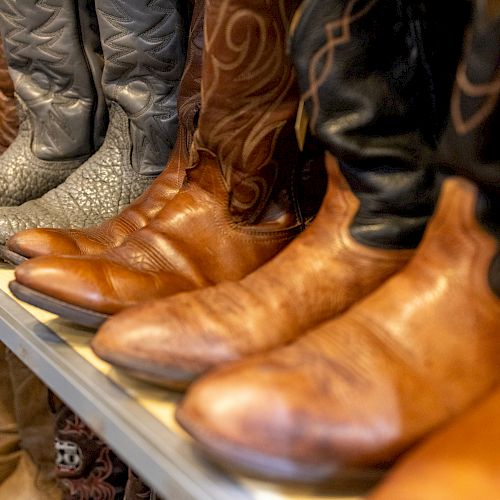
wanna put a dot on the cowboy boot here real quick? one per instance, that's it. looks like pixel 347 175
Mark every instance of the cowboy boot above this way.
pixel 112 232
pixel 354 393
pixel 143 61
pixel 8 115
pixel 459 461
pixel 237 208
pixel 52 53
pixel 366 229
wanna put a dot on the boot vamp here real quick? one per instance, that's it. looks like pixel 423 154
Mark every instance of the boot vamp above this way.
pixel 360 389
pixel 96 239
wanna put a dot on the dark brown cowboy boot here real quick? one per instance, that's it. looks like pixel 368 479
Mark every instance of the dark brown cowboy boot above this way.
pixel 238 207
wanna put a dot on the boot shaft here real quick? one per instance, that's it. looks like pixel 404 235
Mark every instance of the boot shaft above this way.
pixel 144 52
pixel 52 52
pixel 470 143
pixel 249 100
pixel 375 78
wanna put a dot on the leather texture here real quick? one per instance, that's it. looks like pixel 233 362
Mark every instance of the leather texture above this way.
pixel 172 341
pixel 236 210
pixel 371 74
pixel 58 95
pixel 8 115
pixel 459 461
pixel 111 233
pixel 470 146
pixel 138 54
pixel 144 52
pixel 358 390
pixel 100 188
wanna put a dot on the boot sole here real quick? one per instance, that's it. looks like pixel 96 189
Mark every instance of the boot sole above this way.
pixel 79 315
pixel 236 458
pixel 11 257
pixel 173 379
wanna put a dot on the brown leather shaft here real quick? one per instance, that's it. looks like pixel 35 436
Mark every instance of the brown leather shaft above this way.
pixel 320 274
pixel 358 390
pixel 8 115
pixel 236 209
pixel 96 239
pixel 459 461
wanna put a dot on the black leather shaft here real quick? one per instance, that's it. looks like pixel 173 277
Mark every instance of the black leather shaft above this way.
pixel 470 145
pixel 144 45
pixel 54 76
pixel 376 78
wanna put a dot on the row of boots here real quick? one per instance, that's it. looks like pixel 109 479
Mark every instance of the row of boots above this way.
pixel 328 342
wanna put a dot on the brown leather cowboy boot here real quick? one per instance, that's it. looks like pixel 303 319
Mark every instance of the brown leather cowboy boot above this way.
pixel 358 390
pixel 354 393
pixel 112 232
pixel 238 207
pixel 8 115
pixel 366 229
pixel 459 461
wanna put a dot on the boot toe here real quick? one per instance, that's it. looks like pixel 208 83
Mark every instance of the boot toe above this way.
pixel 39 242
pixel 169 341
pixel 79 281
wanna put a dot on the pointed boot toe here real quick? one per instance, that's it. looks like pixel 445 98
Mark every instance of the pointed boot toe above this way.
pixel 160 343
pixel 251 417
pixel 75 289
pixel 37 242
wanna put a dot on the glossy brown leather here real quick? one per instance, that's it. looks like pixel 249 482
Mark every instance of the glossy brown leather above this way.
pixel 112 232
pixel 358 390
pixel 8 115
pixel 236 209
pixel 319 275
pixel 460 461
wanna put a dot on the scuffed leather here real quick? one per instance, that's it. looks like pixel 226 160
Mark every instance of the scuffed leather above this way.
pixel 112 232
pixel 144 51
pixel 358 390
pixel 324 270
pixel 376 77
pixel 459 461
pixel 8 115
pixel 99 189
pixel 57 96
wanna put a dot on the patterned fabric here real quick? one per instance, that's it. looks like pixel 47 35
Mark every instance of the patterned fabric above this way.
pixel 87 469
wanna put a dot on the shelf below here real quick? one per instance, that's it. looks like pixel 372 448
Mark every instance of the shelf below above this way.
pixel 134 418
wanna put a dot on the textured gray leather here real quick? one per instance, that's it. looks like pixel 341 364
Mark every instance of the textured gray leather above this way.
pixel 52 76
pixel 144 49
pixel 23 176
pixel 99 189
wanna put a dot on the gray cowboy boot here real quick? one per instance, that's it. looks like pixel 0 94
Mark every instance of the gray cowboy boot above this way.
pixel 144 55
pixel 52 52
